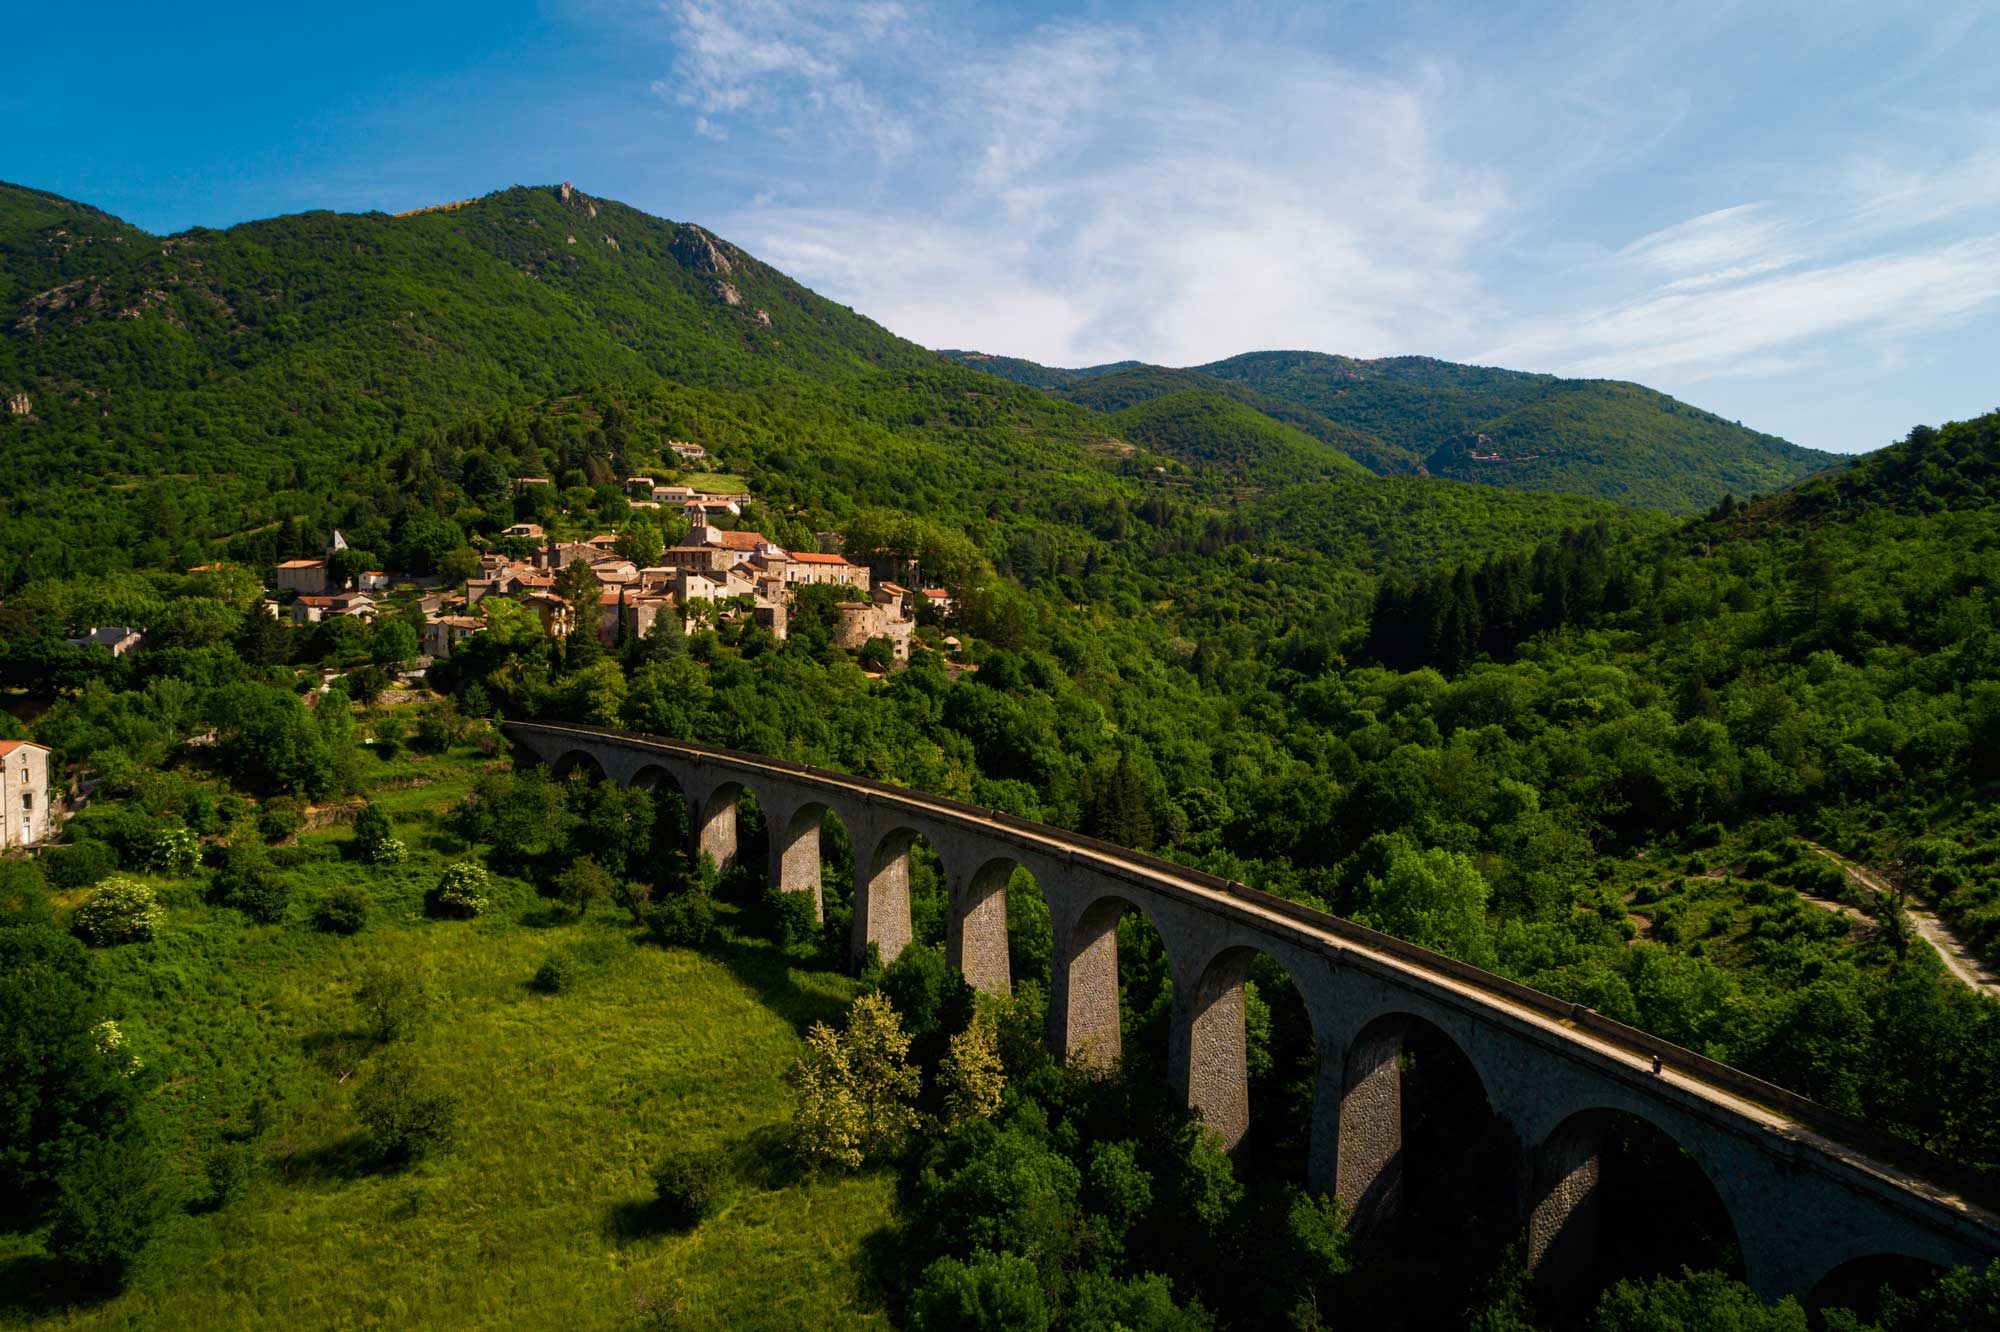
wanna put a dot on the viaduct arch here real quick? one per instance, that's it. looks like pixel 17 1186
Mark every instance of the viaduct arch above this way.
pixel 1809 1191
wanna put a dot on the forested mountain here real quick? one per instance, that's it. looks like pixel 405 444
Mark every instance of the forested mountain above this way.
pixel 256 356
pixel 1117 390
pixel 1204 427
pixel 1588 746
pixel 1474 423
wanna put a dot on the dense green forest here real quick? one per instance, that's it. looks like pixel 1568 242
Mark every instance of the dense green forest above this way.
pixel 1471 423
pixel 1585 745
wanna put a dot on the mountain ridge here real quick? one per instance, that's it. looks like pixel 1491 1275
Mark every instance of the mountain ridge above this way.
pixel 1516 429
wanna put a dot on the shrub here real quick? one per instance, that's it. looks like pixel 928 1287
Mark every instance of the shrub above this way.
pixel 461 890
pixel 344 910
pixel 78 865
pixel 226 1172
pixel 110 1042
pixel 1761 864
pixel 684 920
pixel 635 897
pixel 438 730
pixel 993 1293
pixel 374 838
pixel 119 911
pixel 554 976
pixel 172 851
pixel 249 882
pixel 371 825
pixel 685 1187
pixel 280 818
pixel 971 1074
pixel 582 882
pixel 109 1202
pixel 855 1087
pixel 406 1115
pixel 24 894
pixel 263 897
pixel 392 1001
pixel 788 918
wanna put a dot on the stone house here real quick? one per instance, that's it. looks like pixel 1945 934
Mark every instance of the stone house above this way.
pixel 938 599
pixel 640 613
pixel 740 546
pixel 445 632
pixel 687 452
pixel 25 819
pixel 304 576
pixel 531 531
pixel 311 610
pixel 374 580
pixel 863 620
pixel 838 570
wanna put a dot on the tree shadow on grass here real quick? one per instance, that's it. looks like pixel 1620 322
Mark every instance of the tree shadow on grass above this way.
pixel 547 917
pixel 349 1157
pixel 34 1285
pixel 338 1054
pixel 639 1219
pixel 767 970
pixel 763 1158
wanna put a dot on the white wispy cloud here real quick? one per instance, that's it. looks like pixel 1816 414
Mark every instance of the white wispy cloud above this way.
pixel 1186 188
pixel 1099 191
pixel 773 59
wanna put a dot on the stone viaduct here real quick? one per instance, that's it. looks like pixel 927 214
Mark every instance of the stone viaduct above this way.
pixel 1807 1190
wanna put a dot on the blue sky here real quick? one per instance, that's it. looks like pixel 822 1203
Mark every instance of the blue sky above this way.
pixel 1786 213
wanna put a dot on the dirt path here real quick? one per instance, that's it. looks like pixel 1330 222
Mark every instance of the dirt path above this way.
pixel 1959 960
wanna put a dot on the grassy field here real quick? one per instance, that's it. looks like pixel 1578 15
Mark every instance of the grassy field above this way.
pixel 534 1216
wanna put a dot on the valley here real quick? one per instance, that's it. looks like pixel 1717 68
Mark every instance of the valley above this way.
pixel 1563 680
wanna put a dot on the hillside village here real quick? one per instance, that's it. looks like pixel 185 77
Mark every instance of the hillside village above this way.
pixel 716 573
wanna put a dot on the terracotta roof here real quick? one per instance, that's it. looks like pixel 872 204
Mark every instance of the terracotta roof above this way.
pixel 9 746
pixel 810 557
pixel 937 594
pixel 303 564
pixel 891 587
pixel 738 540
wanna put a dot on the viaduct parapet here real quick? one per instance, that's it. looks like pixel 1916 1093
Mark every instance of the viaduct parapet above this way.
pixel 1809 1191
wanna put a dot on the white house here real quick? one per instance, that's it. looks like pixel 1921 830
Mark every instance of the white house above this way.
pixel 121 639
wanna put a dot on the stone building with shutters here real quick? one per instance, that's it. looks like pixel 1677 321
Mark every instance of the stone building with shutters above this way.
pixel 24 793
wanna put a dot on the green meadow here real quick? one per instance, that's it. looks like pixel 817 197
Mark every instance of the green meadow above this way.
pixel 534 1215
